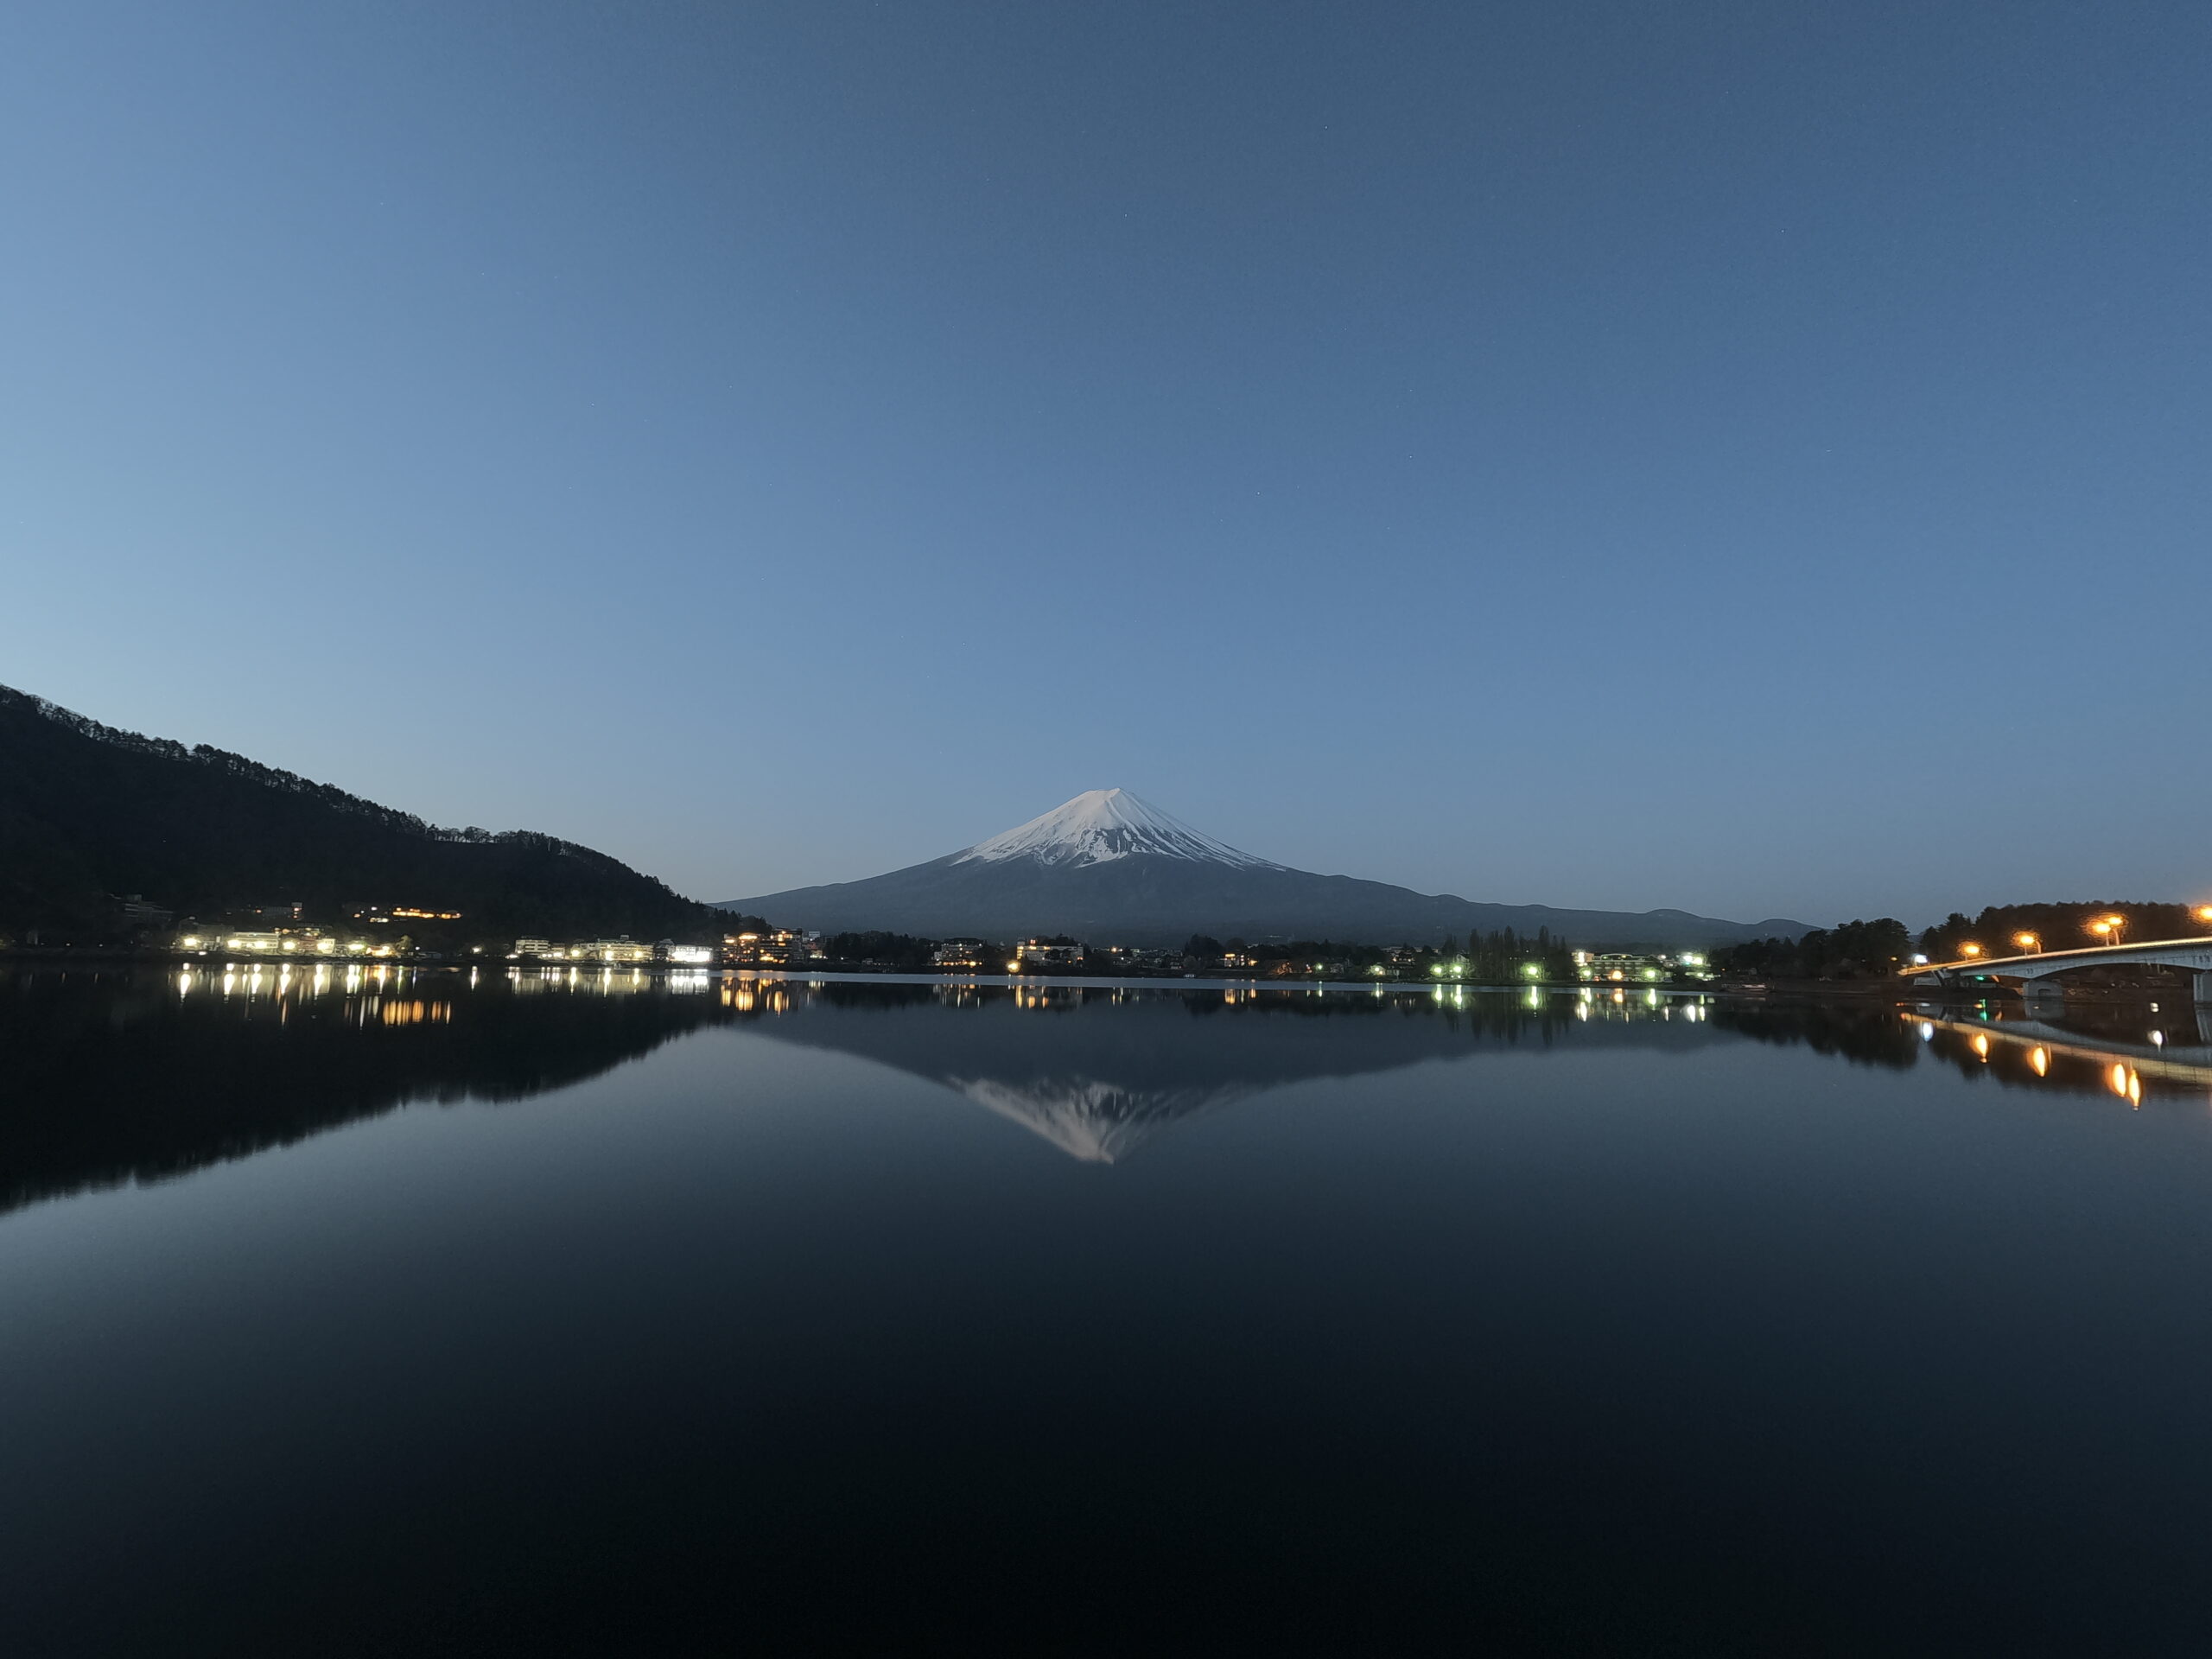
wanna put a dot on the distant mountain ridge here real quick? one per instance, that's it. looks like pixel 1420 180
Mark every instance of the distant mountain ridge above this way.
pixel 1111 868
pixel 88 812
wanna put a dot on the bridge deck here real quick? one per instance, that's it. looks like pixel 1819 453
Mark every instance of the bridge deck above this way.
pixel 2081 956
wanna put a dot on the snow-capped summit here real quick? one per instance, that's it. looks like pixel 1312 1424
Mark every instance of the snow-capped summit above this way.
pixel 1101 825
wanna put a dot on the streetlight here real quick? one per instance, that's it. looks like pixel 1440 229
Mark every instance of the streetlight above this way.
pixel 2202 912
pixel 2111 929
pixel 1969 950
pixel 2031 941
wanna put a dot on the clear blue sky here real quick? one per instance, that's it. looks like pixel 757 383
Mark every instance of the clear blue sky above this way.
pixel 1749 457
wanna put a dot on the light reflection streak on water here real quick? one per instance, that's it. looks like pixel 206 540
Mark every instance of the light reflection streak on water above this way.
pixel 396 994
pixel 2042 1055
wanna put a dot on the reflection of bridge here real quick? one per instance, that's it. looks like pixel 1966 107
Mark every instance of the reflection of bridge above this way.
pixel 2028 973
pixel 2154 1056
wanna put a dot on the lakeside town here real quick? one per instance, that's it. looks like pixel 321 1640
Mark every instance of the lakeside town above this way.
pixel 380 935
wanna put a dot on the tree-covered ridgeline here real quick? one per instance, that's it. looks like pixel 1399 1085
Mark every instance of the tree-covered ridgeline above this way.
pixel 89 815
pixel 1849 950
pixel 1860 950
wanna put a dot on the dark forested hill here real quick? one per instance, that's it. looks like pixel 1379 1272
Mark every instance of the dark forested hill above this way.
pixel 88 812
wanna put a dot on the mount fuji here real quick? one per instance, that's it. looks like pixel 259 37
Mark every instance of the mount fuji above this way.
pixel 1112 870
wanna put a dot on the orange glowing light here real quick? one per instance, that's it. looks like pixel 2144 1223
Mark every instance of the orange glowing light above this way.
pixel 2028 941
pixel 1969 950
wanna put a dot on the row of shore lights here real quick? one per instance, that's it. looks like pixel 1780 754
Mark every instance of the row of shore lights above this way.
pixel 2109 930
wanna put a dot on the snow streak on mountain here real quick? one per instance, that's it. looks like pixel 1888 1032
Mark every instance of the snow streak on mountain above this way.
pixel 1101 825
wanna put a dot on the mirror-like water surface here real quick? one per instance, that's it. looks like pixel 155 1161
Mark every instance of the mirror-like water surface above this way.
pixel 426 1313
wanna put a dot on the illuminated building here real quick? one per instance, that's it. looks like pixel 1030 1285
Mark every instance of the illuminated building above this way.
pixel 772 950
pixel 1612 968
pixel 1042 954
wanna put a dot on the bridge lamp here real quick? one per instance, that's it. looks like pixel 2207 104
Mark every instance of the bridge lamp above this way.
pixel 1969 950
pixel 2113 928
pixel 2202 912
pixel 2029 942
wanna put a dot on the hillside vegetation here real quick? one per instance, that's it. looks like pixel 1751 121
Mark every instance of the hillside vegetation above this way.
pixel 89 813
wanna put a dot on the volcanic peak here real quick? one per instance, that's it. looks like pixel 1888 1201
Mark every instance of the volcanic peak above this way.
pixel 1101 825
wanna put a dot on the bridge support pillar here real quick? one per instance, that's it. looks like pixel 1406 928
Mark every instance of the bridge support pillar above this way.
pixel 2204 988
pixel 2046 997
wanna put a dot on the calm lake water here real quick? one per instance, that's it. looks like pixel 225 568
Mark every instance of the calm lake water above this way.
pixel 544 1315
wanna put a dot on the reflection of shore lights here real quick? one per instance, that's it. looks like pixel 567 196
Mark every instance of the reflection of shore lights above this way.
pixel 1927 1032
pixel 2040 1061
pixel 1982 1045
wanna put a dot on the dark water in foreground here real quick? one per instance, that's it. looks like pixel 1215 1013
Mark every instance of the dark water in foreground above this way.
pixel 420 1317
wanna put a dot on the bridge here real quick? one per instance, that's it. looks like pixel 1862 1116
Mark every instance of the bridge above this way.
pixel 2029 972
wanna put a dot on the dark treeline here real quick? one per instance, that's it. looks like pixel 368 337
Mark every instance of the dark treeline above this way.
pixel 1502 957
pixel 1852 951
pixel 877 949
pixel 1203 950
pixel 1861 949
pixel 1497 957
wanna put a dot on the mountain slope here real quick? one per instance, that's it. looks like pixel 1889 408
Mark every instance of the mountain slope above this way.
pixel 1108 867
pixel 87 811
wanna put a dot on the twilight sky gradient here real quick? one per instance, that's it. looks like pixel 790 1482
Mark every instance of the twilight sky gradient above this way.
pixel 1747 457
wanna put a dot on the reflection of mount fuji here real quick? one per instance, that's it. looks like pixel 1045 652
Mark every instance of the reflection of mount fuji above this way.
pixel 1098 1122
pixel 1097 1072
